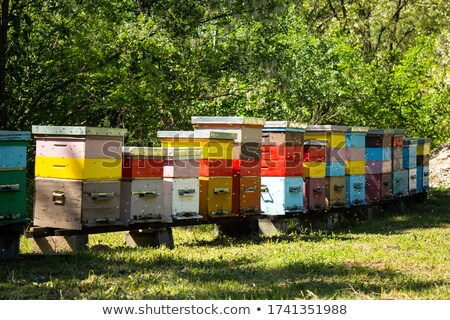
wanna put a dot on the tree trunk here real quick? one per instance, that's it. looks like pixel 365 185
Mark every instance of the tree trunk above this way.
pixel 3 47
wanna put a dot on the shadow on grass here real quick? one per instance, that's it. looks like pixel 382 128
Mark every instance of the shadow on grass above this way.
pixel 431 213
pixel 162 274
pixel 92 275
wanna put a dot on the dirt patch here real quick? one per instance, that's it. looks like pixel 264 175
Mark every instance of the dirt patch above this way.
pixel 440 166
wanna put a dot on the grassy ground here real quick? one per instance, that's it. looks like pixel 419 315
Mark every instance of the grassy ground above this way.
pixel 396 256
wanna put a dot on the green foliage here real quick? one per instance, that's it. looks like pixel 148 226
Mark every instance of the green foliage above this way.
pixel 151 65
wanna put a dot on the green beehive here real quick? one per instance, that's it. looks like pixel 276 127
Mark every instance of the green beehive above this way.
pixel 13 177
pixel 12 196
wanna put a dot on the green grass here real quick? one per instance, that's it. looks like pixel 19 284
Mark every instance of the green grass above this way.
pixel 396 256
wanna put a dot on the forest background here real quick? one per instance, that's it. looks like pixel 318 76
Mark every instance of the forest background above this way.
pixel 150 65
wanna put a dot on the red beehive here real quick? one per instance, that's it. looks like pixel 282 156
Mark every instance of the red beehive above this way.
pixel 315 152
pixel 216 168
pixel 142 162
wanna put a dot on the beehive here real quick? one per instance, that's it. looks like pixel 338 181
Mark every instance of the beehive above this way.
pixel 142 187
pixel 280 195
pixel 78 172
pixel 13 186
pixel 246 157
pixel 181 183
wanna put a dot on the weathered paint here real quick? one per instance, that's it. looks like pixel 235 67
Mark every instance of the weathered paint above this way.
pixel 216 195
pixel 246 195
pixel 13 190
pixel 72 204
pixel 181 198
pixel 280 195
pixel 399 185
pixel 78 168
pixel 356 190
pixel 314 194
pixel 142 200
pixel 336 191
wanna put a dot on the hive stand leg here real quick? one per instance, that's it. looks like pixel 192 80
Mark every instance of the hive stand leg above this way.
pixel 150 238
pixel 324 222
pixel 271 227
pixel 236 229
pixel 348 215
pixel 369 213
pixel 421 197
pixel 9 247
pixel 60 244
pixel 398 206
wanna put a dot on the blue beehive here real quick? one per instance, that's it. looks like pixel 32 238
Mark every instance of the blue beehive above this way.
pixel 378 154
pixel 399 185
pixel 420 179
pixel 13 149
pixel 355 137
pixel 409 153
pixel 356 190
pixel 280 195
pixel 335 169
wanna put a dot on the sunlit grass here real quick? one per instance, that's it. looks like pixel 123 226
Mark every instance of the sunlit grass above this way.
pixel 396 256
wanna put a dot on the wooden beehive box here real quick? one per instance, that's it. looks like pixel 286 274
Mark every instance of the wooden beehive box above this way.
pixel 281 195
pixel 216 196
pixel 355 137
pixel 336 191
pixel 409 153
pixel 182 198
pixel 13 149
pixel 283 133
pixel 398 184
pixel 182 162
pixel 74 204
pixel 247 129
pixel 214 145
pixel 142 162
pixel 142 200
pixel 281 160
pixel 314 194
pixel 80 153
pixel 13 186
pixel 356 190
pixel 246 195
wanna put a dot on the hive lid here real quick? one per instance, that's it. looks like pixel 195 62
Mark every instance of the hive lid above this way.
pixel 143 151
pixel 183 153
pixel 357 129
pixel 15 135
pixel 422 141
pixel 315 143
pixel 227 121
pixel 77 131
pixel 399 132
pixel 197 135
pixel 326 127
pixel 269 125
pixel 410 141
pixel 380 131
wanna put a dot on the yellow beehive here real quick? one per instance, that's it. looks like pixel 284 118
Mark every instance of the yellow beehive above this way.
pixel 314 169
pixel 215 145
pixel 216 195
pixel 356 167
pixel 78 168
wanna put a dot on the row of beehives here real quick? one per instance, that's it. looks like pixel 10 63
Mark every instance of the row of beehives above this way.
pixel 227 166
